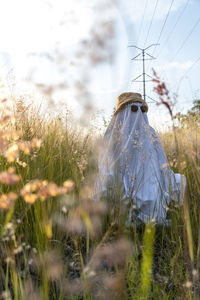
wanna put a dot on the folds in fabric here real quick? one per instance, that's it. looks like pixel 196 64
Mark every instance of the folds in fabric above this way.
pixel 134 162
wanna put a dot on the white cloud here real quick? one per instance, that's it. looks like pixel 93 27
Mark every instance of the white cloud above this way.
pixel 135 9
pixel 31 26
pixel 181 66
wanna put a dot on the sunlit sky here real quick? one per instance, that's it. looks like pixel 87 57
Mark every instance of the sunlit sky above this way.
pixel 30 30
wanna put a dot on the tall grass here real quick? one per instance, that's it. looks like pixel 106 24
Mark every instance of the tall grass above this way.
pixel 57 243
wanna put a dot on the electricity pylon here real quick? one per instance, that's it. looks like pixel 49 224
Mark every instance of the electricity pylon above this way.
pixel 150 57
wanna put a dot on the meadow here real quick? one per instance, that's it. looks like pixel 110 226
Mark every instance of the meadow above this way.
pixel 57 243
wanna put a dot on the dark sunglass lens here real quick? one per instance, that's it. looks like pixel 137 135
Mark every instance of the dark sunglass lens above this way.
pixel 143 108
pixel 134 108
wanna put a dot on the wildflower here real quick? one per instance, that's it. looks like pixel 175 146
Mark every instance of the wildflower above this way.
pixel 194 272
pixel 8 118
pixel 64 209
pixel 52 189
pixel 115 283
pixel 52 264
pixel 9 135
pixel 34 250
pixel 36 143
pixel 7 200
pixel 30 261
pixel 188 284
pixel 9 228
pixel 9 260
pixel 2 146
pixel 18 250
pixel 163 92
pixel 5 295
pixel 30 198
pixel 12 153
pixel 9 177
pixel 21 163
pixel 25 147
pixel 88 272
pixel 68 185
pixel 28 191
pixel 108 255
pixel 38 189
pixel 86 216
pixel 183 165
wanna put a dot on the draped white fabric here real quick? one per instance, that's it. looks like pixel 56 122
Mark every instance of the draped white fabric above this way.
pixel 133 160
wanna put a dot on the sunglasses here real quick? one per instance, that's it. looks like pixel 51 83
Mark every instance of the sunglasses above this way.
pixel 134 108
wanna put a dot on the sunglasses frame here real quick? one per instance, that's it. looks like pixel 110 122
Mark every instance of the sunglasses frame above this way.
pixel 134 108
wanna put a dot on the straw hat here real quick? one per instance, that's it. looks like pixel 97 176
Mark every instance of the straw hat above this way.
pixel 126 98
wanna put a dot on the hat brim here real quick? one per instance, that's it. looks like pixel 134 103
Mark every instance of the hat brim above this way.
pixel 124 103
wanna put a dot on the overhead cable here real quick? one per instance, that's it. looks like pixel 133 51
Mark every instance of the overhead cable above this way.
pixel 142 21
pixel 187 71
pixel 185 41
pixel 174 26
pixel 151 22
pixel 165 21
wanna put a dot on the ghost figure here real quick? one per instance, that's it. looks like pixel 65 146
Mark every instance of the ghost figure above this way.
pixel 133 164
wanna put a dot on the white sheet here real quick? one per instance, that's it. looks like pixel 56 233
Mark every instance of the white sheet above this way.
pixel 134 166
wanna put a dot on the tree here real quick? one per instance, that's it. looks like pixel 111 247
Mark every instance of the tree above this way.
pixel 196 107
pixel 192 117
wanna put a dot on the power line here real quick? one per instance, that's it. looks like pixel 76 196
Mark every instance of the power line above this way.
pixel 151 22
pixel 142 21
pixel 192 66
pixel 184 42
pixel 164 22
pixel 174 26
pixel 188 70
pixel 163 26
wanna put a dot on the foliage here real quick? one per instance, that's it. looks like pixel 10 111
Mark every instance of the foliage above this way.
pixel 191 118
pixel 57 243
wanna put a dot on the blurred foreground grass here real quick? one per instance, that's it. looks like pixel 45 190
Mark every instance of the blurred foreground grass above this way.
pixel 56 243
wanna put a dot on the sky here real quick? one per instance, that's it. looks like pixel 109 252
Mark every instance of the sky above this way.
pixel 82 45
